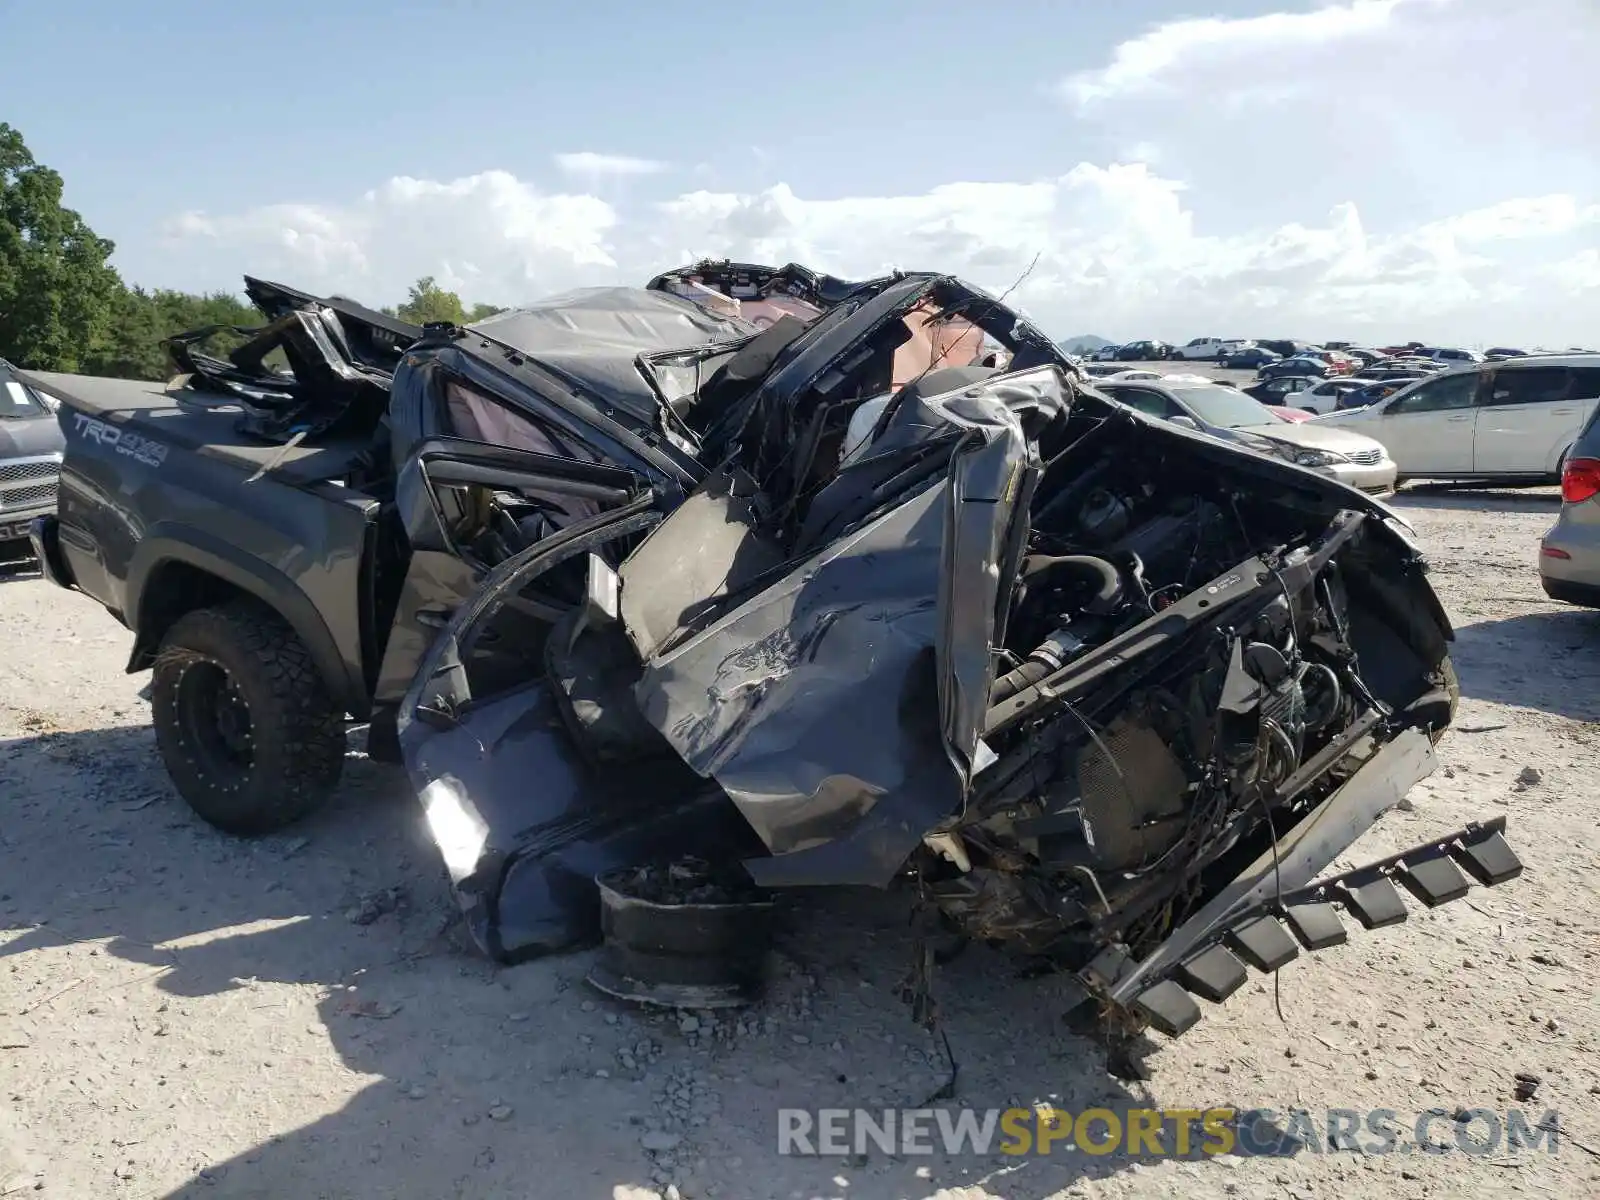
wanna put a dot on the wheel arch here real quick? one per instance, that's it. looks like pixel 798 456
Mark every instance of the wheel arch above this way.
pixel 175 571
pixel 1560 464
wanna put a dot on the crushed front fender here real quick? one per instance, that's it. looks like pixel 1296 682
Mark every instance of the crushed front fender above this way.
pixel 524 824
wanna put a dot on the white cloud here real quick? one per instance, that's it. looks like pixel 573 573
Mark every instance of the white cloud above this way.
pixel 1541 216
pixel 489 234
pixel 1118 250
pixel 1421 108
pixel 587 162
pixel 1161 55
pixel 1382 168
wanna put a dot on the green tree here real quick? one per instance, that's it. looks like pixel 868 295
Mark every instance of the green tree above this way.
pixel 131 348
pixel 430 302
pixel 57 290
pixel 63 307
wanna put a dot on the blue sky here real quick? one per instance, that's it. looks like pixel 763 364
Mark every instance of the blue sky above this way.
pixel 1172 165
pixel 212 108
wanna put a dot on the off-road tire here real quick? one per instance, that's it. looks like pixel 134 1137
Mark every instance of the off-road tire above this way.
pixel 296 734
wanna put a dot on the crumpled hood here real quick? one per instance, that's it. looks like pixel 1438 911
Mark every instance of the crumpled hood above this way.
pixel 840 708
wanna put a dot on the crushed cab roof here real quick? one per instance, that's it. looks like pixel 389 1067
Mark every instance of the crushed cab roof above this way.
pixel 593 337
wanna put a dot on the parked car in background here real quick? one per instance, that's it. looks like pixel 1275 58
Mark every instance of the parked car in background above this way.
pixel 1569 553
pixel 1104 354
pixel 1208 349
pixel 1452 357
pixel 1363 356
pixel 1145 351
pixel 1302 365
pixel 1397 373
pixel 30 458
pixel 1513 420
pixel 1276 391
pixel 1099 371
pixel 1323 395
pixel 1418 361
pixel 1500 353
pixel 1371 393
pixel 1338 362
pixel 1231 416
pixel 1248 356
pixel 1282 347
pixel 1289 414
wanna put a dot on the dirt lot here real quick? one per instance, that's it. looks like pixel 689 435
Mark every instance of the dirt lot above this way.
pixel 182 1014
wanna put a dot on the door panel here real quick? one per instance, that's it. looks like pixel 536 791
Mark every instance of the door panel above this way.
pixel 457 529
pixel 1430 428
pixel 1524 413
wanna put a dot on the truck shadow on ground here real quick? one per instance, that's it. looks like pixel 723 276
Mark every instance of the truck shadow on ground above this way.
pixel 1547 661
pixel 493 1080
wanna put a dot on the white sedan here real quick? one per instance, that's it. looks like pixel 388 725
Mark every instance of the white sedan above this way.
pixel 1323 396
pixel 1229 415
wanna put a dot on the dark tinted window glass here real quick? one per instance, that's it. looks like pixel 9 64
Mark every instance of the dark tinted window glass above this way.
pixel 479 418
pixel 1439 395
pixel 1585 384
pixel 1145 401
pixel 18 401
pixel 1539 385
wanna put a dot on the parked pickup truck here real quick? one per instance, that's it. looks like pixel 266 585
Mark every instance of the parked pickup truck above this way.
pixel 30 457
pixel 276 581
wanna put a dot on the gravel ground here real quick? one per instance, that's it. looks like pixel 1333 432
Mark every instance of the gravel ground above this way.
pixel 186 1015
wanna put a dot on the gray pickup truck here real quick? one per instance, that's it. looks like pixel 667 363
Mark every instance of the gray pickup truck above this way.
pixel 279 583
pixel 880 593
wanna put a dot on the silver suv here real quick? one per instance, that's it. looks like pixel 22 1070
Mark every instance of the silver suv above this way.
pixel 1569 554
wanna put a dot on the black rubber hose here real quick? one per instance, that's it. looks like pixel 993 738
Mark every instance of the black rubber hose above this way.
pixel 1008 685
pixel 1106 577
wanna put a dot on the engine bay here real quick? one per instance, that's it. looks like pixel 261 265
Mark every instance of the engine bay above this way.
pixel 1184 672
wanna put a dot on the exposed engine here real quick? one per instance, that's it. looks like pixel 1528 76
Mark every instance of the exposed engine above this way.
pixel 1177 653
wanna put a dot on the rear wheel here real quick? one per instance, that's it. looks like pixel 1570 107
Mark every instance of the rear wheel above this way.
pixel 245 724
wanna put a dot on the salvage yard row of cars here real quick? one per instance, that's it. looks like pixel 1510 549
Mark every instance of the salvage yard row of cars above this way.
pixel 824 582
pixel 1252 352
pixel 1521 419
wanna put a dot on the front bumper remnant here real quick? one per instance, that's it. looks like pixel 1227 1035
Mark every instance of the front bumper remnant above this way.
pixel 1277 906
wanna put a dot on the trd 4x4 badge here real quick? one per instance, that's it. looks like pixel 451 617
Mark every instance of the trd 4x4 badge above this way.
pixel 140 449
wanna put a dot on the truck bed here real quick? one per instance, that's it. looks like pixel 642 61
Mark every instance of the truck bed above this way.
pixel 166 414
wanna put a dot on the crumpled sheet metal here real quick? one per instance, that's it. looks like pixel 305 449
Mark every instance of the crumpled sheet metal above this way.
pixel 816 704
pixel 524 825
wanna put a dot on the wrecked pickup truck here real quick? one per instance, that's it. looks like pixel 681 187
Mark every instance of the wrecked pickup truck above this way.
pixel 880 594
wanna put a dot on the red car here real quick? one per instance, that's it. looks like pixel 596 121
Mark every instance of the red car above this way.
pixel 1289 414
